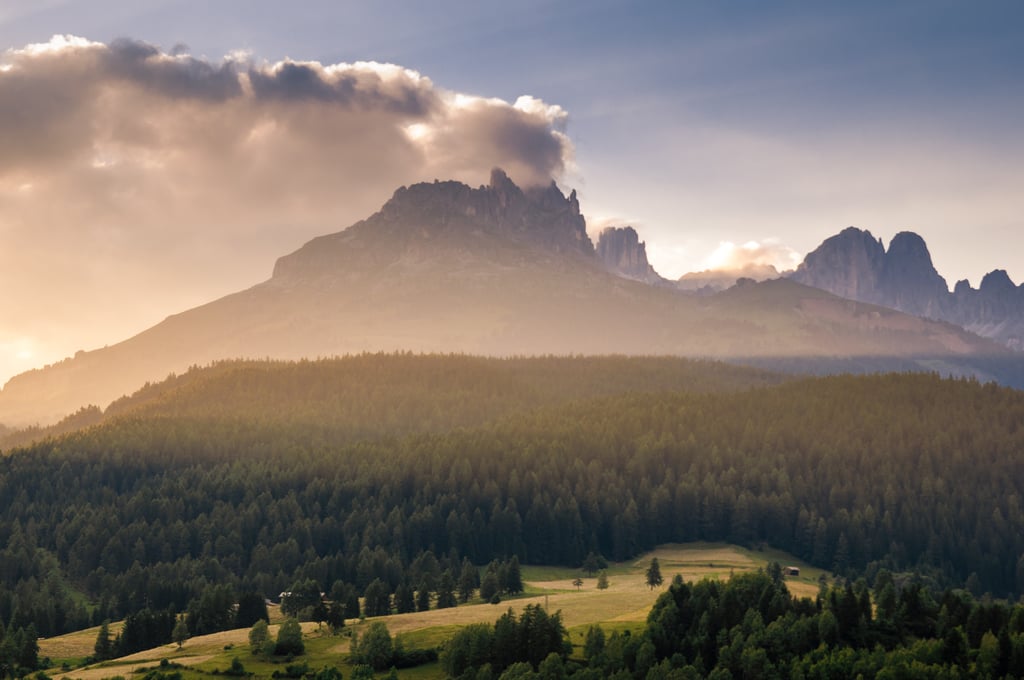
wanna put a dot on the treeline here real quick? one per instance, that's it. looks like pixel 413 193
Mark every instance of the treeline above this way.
pixel 854 474
pixel 751 627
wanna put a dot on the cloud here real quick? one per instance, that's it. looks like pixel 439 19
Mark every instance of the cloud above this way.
pixel 135 181
pixel 769 252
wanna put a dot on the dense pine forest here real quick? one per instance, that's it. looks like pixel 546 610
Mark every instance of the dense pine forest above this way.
pixel 395 471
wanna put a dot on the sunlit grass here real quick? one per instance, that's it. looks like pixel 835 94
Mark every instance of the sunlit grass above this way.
pixel 623 606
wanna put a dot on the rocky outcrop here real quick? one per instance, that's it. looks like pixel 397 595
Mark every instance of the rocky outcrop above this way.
pixel 849 264
pixel 622 251
pixel 452 211
pixel 853 264
pixel 995 309
pixel 909 281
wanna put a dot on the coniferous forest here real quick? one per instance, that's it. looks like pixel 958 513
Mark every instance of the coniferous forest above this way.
pixel 390 473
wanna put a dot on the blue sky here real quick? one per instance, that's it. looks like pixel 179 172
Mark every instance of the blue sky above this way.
pixel 700 123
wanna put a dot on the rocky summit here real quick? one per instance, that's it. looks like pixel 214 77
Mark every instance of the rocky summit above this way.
pixel 622 251
pixel 855 265
pixel 437 213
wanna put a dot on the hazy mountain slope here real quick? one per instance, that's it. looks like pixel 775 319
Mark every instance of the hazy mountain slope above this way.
pixel 494 271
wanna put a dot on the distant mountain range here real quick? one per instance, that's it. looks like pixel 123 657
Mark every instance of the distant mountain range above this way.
pixel 499 270
pixel 853 264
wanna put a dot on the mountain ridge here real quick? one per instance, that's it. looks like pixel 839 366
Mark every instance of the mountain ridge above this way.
pixel 495 271
pixel 855 265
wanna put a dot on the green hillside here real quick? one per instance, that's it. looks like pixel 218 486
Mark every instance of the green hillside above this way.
pixel 395 473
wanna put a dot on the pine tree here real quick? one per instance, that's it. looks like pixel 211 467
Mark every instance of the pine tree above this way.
pixel 489 586
pixel 514 582
pixel 467 580
pixel 104 647
pixel 446 592
pixel 602 581
pixel 593 563
pixel 404 599
pixel 654 578
pixel 423 598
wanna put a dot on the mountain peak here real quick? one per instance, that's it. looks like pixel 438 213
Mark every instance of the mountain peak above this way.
pixel 904 278
pixel 997 281
pixel 625 254
pixel 848 264
pixel 908 246
pixel 909 278
pixel 450 214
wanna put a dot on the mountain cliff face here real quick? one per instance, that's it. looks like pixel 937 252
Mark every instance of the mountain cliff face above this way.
pixel 854 265
pixel 495 270
pixel 849 265
pixel 448 215
pixel 622 251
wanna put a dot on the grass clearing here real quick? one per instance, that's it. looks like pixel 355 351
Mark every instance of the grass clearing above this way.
pixel 623 606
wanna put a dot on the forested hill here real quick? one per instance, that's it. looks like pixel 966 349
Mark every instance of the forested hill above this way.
pixel 908 472
pixel 375 395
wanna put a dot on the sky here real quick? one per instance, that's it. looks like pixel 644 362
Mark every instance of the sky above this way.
pixel 158 154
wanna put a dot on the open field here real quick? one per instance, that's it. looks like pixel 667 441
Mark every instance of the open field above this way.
pixel 624 605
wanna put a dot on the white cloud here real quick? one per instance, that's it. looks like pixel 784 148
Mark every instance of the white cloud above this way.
pixel 768 252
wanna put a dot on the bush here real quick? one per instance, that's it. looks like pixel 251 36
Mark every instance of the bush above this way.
pixel 236 669
pixel 289 639
pixel 374 647
pixel 294 670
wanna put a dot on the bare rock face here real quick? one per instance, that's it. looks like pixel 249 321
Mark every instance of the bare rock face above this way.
pixel 622 251
pixel 452 212
pixel 854 265
pixel 849 264
pixel 995 309
pixel 909 281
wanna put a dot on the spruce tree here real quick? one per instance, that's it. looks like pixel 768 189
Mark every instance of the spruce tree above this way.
pixel 104 647
pixel 467 580
pixel 446 592
pixel 654 578
pixel 514 583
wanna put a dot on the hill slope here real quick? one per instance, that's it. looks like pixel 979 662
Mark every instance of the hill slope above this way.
pixel 850 473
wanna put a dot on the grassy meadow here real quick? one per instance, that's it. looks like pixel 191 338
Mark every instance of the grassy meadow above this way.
pixel 622 606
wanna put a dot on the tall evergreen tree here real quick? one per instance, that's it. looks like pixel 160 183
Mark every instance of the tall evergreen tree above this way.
pixel 446 591
pixel 653 574
pixel 104 647
pixel 404 599
pixel 514 582
pixel 467 580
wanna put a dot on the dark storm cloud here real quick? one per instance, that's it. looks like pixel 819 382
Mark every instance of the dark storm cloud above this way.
pixel 178 76
pixel 358 88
